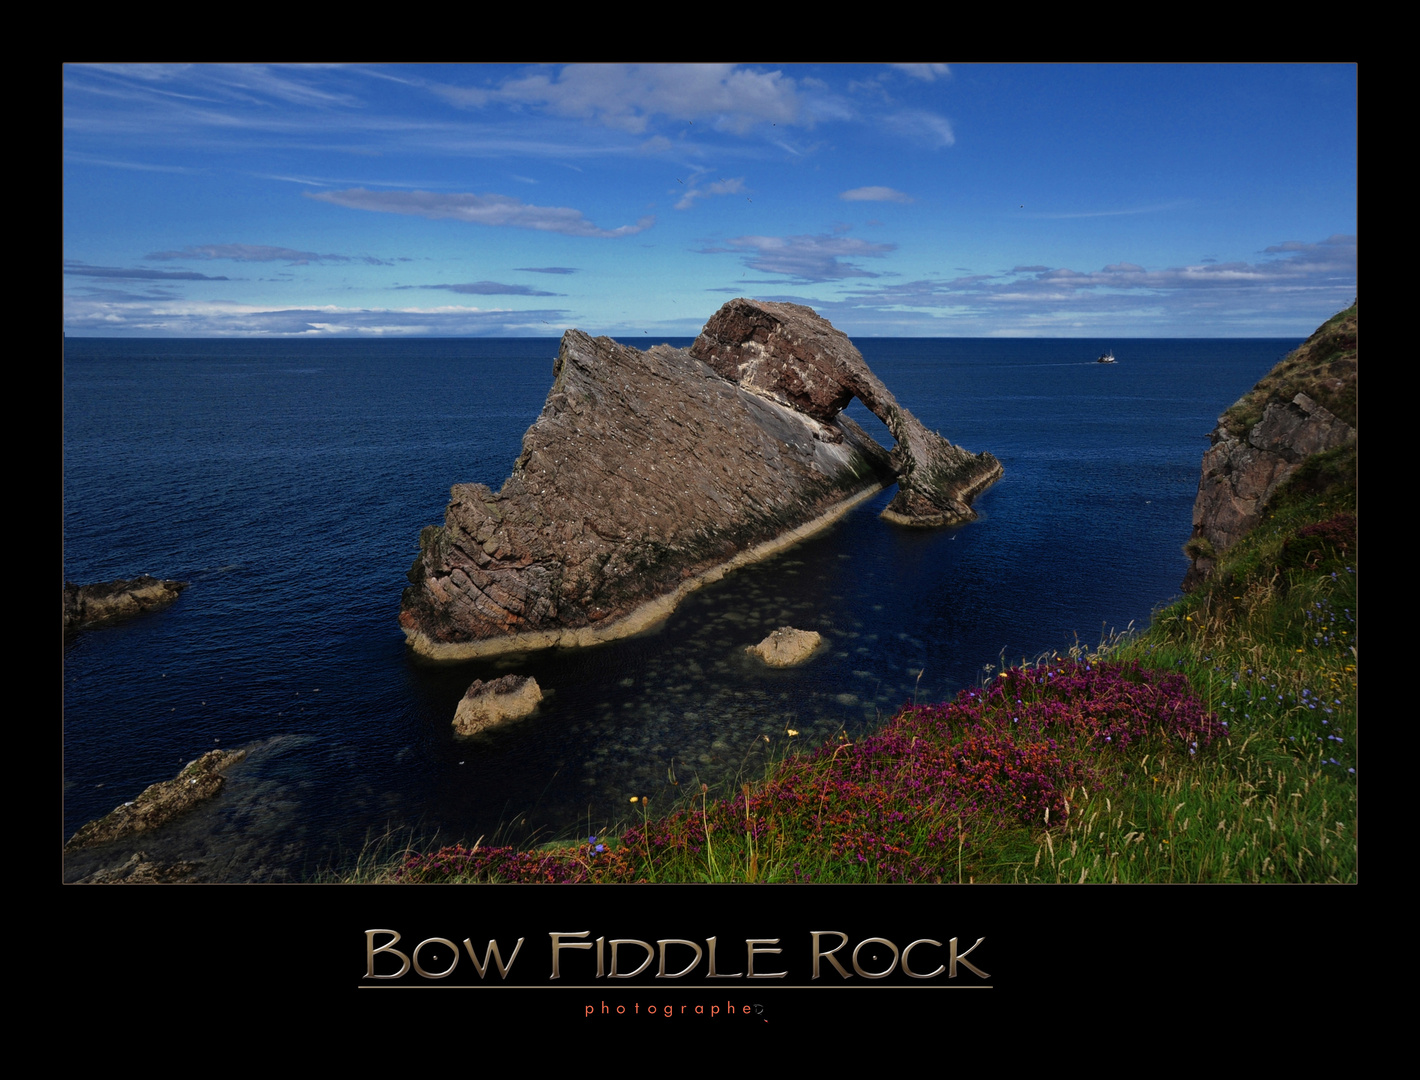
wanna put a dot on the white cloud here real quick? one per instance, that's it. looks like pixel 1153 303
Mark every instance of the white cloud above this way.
pixel 217 319
pixel 719 187
pixel 1157 208
pixel 247 253
pixel 486 288
pixel 809 258
pixel 923 127
pixel 628 96
pixel 1307 282
pixel 1337 242
pixel 925 72
pixel 292 85
pixel 83 269
pixel 477 210
pixel 876 194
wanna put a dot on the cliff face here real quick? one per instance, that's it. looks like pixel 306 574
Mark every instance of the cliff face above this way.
pixel 1306 405
pixel 649 473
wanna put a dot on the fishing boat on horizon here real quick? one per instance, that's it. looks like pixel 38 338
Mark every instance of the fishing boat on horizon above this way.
pixel 1106 357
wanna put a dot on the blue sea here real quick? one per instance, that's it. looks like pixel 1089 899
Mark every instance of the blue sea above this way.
pixel 288 482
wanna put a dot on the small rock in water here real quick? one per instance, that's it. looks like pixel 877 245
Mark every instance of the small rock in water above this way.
pixel 88 605
pixel 485 704
pixel 787 646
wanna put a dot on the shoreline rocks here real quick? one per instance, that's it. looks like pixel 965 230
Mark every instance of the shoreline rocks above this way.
pixel 88 605
pixel 161 802
pixel 139 869
pixel 651 473
pixel 486 704
pixel 787 646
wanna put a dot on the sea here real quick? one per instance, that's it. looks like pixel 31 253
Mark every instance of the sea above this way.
pixel 288 481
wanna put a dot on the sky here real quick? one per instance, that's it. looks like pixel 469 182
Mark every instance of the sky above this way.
pixel 911 200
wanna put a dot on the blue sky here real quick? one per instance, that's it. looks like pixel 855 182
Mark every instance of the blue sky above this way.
pixel 925 200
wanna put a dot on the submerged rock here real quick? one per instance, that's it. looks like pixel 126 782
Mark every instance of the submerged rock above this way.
pixel 140 870
pixel 487 703
pixel 85 605
pixel 787 646
pixel 650 473
pixel 161 802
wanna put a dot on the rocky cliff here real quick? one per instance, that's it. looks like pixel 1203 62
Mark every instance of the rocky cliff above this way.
pixel 1304 407
pixel 650 473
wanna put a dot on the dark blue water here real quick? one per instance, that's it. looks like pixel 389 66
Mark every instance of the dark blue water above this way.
pixel 288 481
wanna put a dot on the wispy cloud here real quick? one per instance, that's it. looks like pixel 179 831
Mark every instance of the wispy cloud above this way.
pixel 547 269
pixel 694 191
pixel 876 194
pixel 1332 246
pixel 247 253
pixel 1304 276
pixel 85 270
pixel 807 258
pixel 133 111
pixel 486 288
pixel 478 210
pixel 923 127
pixel 206 83
pixel 115 163
pixel 180 318
pixel 925 72
pixel 307 87
pixel 1156 208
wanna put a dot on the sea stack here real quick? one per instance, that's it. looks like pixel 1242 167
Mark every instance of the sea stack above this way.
pixel 651 473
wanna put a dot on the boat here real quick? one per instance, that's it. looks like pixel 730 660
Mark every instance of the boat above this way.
pixel 1106 357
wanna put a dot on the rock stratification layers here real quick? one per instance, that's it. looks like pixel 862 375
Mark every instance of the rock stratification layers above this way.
pixel 650 473
pixel 788 353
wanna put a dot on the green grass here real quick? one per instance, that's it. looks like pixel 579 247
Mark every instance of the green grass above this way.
pixel 1270 644
pixel 1323 368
